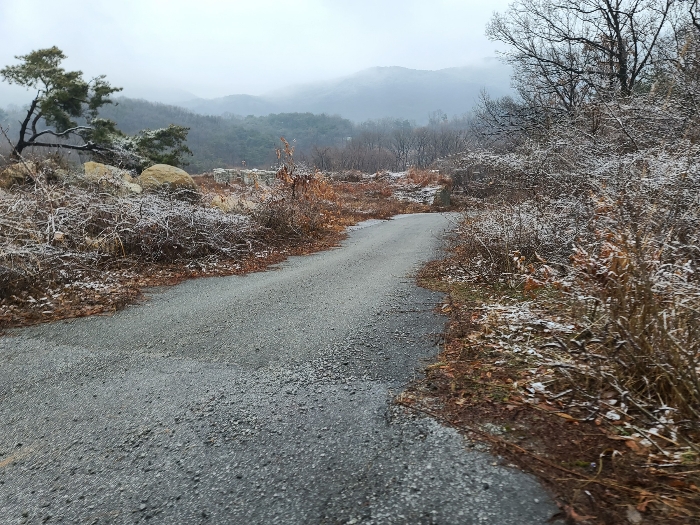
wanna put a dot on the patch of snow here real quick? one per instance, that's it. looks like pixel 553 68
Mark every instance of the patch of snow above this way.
pixel 418 195
pixel 613 416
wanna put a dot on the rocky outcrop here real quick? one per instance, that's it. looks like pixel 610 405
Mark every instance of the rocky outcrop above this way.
pixel 226 175
pixel 442 196
pixel 246 177
pixel 113 179
pixel 166 178
pixel 257 177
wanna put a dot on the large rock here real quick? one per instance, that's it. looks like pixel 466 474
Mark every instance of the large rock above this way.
pixel 247 177
pixel 96 172
pixel 17 174
pixel 117 180
pixel 164 177
pixel 226 175
pixel 256 177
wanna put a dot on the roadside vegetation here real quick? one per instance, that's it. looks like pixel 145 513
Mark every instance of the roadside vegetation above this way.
pixel 84 238
pixel 72 244
pixel 572 283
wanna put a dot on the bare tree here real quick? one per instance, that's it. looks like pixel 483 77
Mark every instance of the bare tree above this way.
pixel 321 157
pixel 565 52
pixel 401 145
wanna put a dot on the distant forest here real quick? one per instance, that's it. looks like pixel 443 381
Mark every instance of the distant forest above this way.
pixel 325 141
pixel 221 141
pixel 229 141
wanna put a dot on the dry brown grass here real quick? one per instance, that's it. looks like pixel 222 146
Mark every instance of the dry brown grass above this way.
pixel 371 199
pixel 496 381
pixel 427 178
pixel 575 321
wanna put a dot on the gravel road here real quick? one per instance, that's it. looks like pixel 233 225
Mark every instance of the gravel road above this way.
pixel 259 399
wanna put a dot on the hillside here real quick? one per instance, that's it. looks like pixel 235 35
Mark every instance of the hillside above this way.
pixel 227 131
pixel 225 141
pixel 374 93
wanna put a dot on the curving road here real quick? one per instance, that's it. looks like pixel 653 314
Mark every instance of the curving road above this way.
pixel 260 399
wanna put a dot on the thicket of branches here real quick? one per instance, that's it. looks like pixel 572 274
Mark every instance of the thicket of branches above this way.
pixel 53 235
pixel 394 145
pixel 60 231
pixel 592 179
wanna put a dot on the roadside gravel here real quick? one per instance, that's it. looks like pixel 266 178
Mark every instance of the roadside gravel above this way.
pixel 258 399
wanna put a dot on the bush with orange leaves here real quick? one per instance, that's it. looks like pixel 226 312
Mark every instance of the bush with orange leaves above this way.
pixel 302 205
pixel 425 178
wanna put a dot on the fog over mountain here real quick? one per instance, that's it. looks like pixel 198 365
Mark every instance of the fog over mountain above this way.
pixel 229 130
pixel 373 93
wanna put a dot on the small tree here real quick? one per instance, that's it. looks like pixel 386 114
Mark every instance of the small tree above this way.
pixel 296 180
pixel 62 97
pixel 68 105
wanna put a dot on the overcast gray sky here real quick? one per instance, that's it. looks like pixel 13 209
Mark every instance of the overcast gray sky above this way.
pixel 161 48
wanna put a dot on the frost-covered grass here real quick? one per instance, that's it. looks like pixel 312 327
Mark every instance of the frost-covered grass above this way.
pixel 613 232
pixel 536 229
pixel 49 233
pixel 71 245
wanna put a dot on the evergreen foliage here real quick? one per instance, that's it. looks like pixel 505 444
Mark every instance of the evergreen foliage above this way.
pixel 67 106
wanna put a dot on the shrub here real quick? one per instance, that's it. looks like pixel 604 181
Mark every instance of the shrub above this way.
pixel 51 233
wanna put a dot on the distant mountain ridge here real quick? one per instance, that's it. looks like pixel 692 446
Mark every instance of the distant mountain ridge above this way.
pixel 373 93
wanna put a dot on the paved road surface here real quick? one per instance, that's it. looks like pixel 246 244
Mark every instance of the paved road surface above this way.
pixel 260 399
